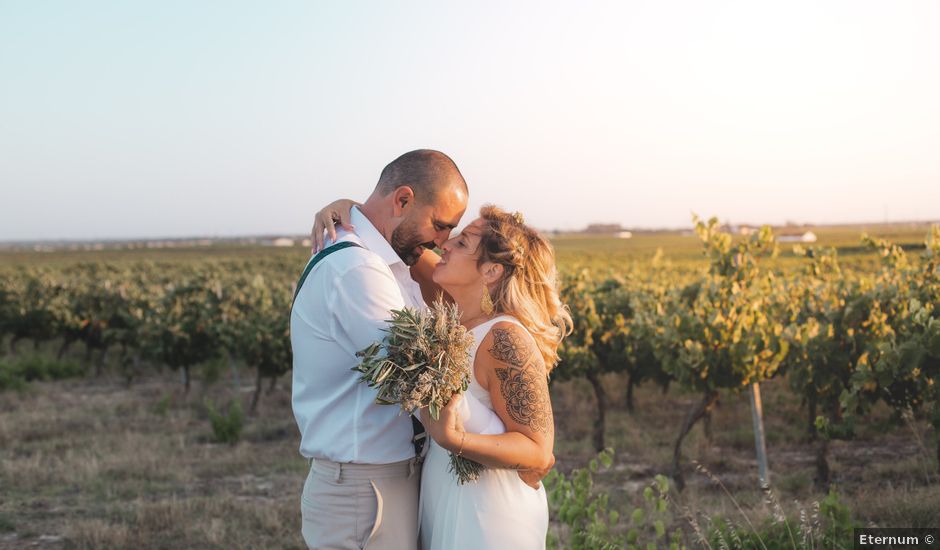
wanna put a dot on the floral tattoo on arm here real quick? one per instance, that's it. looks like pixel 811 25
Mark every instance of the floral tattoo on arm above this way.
pixel 522 384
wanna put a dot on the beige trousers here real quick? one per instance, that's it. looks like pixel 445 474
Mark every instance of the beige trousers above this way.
pixel 356 506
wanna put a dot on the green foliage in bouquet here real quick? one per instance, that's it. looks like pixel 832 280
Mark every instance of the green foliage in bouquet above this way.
pixel 465 469
pixel 422 362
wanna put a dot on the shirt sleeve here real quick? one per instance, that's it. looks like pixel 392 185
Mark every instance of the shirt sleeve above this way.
pixel 363 301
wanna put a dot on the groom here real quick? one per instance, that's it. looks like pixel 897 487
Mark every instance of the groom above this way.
pixel 363 484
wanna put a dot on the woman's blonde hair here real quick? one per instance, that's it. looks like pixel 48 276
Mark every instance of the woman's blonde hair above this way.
pixel 528 289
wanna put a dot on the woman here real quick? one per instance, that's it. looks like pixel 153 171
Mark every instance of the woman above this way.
pixel 501 274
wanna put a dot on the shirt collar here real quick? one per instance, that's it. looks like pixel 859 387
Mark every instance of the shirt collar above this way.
pixel 371 238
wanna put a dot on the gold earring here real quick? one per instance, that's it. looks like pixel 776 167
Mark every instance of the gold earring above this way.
pixel 486 304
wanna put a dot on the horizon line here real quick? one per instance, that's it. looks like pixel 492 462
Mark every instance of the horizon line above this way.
pixel 584 229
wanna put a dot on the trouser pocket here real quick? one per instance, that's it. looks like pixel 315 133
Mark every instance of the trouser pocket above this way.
pixel 375 539
pixel 396 519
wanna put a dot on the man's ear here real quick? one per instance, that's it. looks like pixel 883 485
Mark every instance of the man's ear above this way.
pixel 402 198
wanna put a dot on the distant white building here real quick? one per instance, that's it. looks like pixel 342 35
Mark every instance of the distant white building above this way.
pixel 624 234
pixel 807 237
pixel 282 242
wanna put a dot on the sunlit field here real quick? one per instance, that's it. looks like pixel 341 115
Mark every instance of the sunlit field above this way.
pixel 102 446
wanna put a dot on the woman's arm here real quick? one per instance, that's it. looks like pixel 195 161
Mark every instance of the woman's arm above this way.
pixel 337 212
pixel 511 368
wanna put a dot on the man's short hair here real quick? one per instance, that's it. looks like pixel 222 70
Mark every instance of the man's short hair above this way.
pixel 426 171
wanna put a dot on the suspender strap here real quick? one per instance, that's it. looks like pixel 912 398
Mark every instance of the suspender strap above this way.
pixel 316 259
pixel 420 437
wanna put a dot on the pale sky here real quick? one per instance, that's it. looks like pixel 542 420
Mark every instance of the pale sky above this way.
pixel 174 118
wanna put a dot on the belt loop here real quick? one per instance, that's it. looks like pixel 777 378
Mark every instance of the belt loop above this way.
pixel 339 472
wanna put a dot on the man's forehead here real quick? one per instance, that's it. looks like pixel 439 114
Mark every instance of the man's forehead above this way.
pixel 448 214
pixel 444 219
pixel 451 202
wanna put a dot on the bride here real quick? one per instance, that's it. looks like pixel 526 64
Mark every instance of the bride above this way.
pixel 501 274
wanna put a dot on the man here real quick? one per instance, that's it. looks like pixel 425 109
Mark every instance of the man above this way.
pixel 363 485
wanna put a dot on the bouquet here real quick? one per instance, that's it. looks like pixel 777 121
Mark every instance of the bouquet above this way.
pixel 422 362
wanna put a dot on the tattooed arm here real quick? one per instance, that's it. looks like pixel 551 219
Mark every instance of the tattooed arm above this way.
pixel 509 366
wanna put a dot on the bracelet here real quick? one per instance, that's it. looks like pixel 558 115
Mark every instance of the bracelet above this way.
pixel 462 439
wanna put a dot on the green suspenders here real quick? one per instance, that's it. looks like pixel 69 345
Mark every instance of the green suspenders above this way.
pixel 316 259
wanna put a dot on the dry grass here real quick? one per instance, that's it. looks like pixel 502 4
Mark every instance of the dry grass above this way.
pixel 92 464
pixel 95 464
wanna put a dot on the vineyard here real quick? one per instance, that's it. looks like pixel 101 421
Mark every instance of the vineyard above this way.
pixel 848 336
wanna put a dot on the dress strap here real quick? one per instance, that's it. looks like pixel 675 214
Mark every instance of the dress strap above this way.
pixel 485 327
pixel 480 331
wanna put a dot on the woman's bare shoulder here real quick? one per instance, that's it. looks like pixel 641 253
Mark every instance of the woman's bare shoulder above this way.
pixel 509 344
pixel 516 377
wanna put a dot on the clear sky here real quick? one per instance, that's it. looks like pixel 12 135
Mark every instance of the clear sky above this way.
pixel 172 118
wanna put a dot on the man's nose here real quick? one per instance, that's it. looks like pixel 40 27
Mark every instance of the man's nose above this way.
pixel 442 237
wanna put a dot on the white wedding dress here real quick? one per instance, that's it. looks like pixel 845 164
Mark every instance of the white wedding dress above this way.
pixel 495 512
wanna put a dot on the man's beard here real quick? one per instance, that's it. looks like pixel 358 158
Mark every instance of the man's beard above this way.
pixel 407 243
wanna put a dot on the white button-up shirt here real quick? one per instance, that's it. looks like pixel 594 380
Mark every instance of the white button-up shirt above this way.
pixel 342 308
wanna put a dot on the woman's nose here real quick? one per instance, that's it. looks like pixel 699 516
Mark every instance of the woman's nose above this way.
pixel 443 236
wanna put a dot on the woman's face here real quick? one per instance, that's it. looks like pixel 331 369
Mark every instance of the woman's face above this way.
pixel 458 265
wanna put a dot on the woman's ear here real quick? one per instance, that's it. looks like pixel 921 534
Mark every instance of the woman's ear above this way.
pixel 492 272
